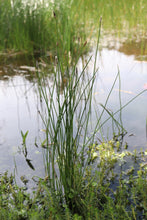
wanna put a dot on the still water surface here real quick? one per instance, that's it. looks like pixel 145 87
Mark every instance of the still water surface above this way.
pixel 19 104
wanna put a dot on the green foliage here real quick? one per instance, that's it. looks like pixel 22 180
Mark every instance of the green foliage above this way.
pixel 15 203
pixel 62 157
pixel 118 16
pixel 65 26
pixel 38 27
pixel 103 194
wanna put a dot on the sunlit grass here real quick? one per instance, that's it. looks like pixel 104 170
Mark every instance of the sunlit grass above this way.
pixel 37 28
pixel 65 25
pixel 118 16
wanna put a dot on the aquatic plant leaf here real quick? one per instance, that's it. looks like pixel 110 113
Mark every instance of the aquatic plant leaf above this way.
pixel 145 153
pixel 25 152
pixel 94 155
pixel 37 152
pixel 24 136
pixel 43 144
pixel 24 179
pixel 30 164
pixel 94 184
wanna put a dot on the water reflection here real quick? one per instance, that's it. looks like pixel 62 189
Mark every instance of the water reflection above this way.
pixel 133 76
pixel 131 47
pixel 138 49
pixel 18 111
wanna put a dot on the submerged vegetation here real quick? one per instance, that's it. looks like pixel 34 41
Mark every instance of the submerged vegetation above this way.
pixel 87 176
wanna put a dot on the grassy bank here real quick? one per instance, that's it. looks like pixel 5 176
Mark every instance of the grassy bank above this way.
pixel 119 16
pixel 40 27
pixel 67 25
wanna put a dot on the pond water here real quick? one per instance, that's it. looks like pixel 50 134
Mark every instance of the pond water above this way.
pixel 133 78
pixel 19 104
pixel 18 112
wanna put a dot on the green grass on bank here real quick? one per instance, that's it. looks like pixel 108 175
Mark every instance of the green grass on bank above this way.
pixel 66 25
pixel 119 16
pixel 36 27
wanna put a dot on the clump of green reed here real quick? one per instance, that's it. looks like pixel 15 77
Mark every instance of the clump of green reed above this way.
pixel 66 112
pixel 63 155
pixel 40 27
pixel 67 102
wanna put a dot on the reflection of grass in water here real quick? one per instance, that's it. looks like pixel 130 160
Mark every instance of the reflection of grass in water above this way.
pixel 131 47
